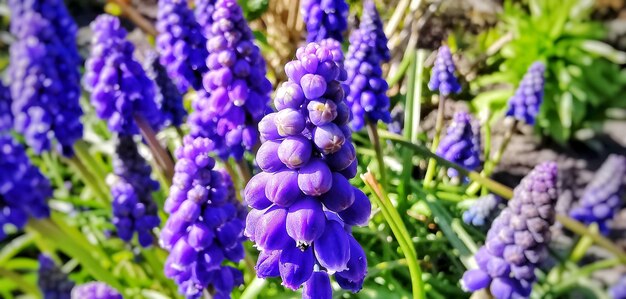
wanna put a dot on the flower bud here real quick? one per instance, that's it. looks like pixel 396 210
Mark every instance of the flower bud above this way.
pixel 296 266
pixel 282 188
pixel 315 178
pixel 305 221
pixel 295 151
pixel 318 286
pixel 332 248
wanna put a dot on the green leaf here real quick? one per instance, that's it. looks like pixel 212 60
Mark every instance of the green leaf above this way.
pixel 253 9
pixel 565 110
pixel 604 50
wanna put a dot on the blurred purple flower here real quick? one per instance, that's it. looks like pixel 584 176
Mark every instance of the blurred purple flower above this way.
pixel 525 104
pixel 442 77
pixel 52 281
pixel 95 290
pixel 324 19
pixel 461 144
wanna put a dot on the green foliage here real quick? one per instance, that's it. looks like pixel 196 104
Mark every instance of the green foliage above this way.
pixel 253 9
pixel 583 78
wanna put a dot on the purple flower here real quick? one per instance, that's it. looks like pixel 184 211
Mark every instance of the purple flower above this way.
pixel 618 291
pixel 442 77
pixel 95 290
pixel 23 189
pixel 204 16
pixel 239 95
pixel 324 19
pixel 602 197
pixel 368 90
pixel 120 89
pixel 524 105
pixel 6 117
pixel 518 239
pixel 370 21
pixel 483 211
pixel 181 44
pixel 461 144
pixel 134 210
pixel 52 281
pixel 302 202
pixel 45 83
pixel 205 227
pixel 168 98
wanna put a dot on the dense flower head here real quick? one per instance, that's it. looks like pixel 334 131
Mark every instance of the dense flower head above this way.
pixel 52 281
pixel 120 88
pixel 205 227
pixel 56 13
pixel 618 290
pixel 239 91
pixel 370 22
pixel 324 19
pixel 518 239
pixel 6 117
pixel 181 44
pixel 603 196
pixel 442 77
pixel 23 189
pixel 45 86
pixel 525 103
pixel 168 98
pixel 303 205
pixel 95 290
pixel 368 89
pixel 461 144
pixel 134 210
pixel 483 210
pixel 204 16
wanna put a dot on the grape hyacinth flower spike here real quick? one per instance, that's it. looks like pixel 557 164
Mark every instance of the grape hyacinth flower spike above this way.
pixel 180 43
pixel 525 103
pixel 518 239
pixel 52 281
pixel 239 95
pixel 45 85
pixel 483 210
pixel 168 98
pixel 205 226
pixel 367 98
pixel 324 19
pixel 303 205
pixel 603 196
pixel 371 22
pixel 24 189
pixel 461 144
pixel 95 290
pixel 204 16
pixel 134 210
pixel 442 78
pixel 6 117
pixel 120 89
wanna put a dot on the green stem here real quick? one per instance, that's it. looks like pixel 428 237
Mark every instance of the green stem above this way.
pixel 432 163
pixel 583 244
pixel 400 232
pixel 81 149
pixel 253 290
pixel 69 246
pixel 20 282
pixel 372 131
pixel 161 156
pixel 581 273
pixel 581 230
pixel 407 156
pixel 97 187
pixel 404 66
pixel 422 151
pixel 491 164
pixel 244 171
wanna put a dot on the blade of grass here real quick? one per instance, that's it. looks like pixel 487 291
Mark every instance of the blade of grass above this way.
pixel 20 282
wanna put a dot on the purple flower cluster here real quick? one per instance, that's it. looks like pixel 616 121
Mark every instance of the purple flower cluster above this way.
pixel 23 189
pixel 181 45
pixel 524 105
pixel 461 144
pixel 236 78
pixel 6 117
pixel 370 21
pixel 368 90
pixel 134 210
pixel 324 19
pixel 168 98
pixel 205 227
pixel 56 13
pixel 95 290
pixel 53 282
pixel 618 291
pixel 204 16
pixel 602 197
pixel 45 84
pixel 120 89
pixel 483 211
pixel 518 238
pixel 303 205
pixel 442 77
